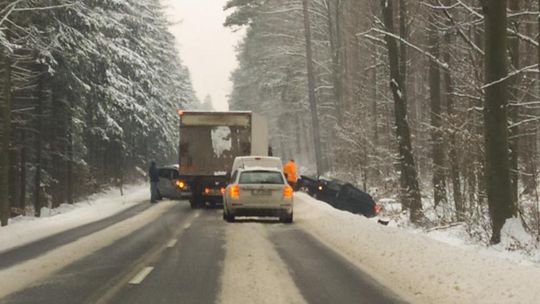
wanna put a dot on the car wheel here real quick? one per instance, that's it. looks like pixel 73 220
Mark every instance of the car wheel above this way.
pixel 228 217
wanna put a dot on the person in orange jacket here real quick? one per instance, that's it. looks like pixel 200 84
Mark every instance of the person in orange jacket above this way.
pixel 290 172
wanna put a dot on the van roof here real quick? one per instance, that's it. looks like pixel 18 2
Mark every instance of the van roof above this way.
pixel 254 168
pixel 256 161
pixel 256 157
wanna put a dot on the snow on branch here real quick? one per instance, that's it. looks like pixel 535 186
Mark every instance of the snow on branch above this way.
pixel 442 64
pixel 460 31
pixel 512 74
pixel 42 8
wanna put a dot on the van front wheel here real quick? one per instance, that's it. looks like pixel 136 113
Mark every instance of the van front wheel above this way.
pixel 228 217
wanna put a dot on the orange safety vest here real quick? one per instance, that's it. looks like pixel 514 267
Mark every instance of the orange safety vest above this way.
pixel 290 170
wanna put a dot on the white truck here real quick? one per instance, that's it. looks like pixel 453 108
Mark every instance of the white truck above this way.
pixel 209 143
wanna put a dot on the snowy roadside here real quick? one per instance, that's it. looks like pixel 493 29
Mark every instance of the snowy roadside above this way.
pixel 421 269
pixel 26 229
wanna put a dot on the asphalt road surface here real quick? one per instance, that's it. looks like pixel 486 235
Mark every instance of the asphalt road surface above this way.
pixel 189 256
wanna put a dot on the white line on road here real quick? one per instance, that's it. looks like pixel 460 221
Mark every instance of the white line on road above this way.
pixel 141 276
pixel 186 226
pixel 172 243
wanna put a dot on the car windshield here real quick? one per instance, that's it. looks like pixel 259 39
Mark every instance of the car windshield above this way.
pixel 261 177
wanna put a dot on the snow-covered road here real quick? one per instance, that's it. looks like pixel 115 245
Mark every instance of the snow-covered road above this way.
pixel 192 256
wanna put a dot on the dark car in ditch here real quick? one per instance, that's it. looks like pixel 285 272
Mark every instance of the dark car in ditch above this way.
pixel 340 195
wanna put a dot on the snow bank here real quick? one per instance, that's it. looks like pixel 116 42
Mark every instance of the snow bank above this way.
pixel 26 229
pixel 514 236
pixel 419 268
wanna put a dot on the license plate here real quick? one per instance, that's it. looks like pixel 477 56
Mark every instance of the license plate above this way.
pixel 261 192
pixel 212 192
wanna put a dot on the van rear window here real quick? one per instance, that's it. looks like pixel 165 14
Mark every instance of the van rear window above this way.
pixel 261 177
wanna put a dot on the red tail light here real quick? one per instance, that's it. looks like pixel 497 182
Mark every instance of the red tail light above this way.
pixel 377 208
pixel 234 191
pixel 206 190
pixel 287 191
pixel 222 190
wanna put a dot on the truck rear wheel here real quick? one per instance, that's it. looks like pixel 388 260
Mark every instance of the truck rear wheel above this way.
pixel 195 202
pixel 287 219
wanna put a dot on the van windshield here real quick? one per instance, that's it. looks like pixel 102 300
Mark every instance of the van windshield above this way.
pixel 261 177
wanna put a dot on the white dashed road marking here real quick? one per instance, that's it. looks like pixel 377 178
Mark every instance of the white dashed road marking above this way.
pixel 141 276
pixel 172 243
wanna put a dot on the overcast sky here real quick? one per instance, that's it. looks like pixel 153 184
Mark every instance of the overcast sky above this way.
pixel 206 47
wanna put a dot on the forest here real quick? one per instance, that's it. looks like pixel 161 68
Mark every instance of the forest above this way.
pixel 435 100
pixel 88 97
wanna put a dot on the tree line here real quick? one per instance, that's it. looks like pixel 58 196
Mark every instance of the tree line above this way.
pixel 436 98
pixel 88 96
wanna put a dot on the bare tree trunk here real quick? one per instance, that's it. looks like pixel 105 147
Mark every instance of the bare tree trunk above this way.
pixel 374 117
pixel 70 159
pixel 402 47
pixel 335 48
pixel 311 88
pixel 42 95
pixel 22 178
pixel 529 151
pixel 514 107
pixel 498 184
pixel 402 12
pixel 409 176
pixel 6 141
pixel 453 160
pixel 439 185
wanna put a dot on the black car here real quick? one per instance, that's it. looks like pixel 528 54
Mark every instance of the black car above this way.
pixel 352 199
pixel 307 184
pixel 328 190
pixel 345 196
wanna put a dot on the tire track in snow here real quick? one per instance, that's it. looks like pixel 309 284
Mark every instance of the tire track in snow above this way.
pixel 253 270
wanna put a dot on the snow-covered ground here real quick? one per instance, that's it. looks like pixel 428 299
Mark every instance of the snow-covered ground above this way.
pixel 26 229
pixel 421 269
pixel 516 245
